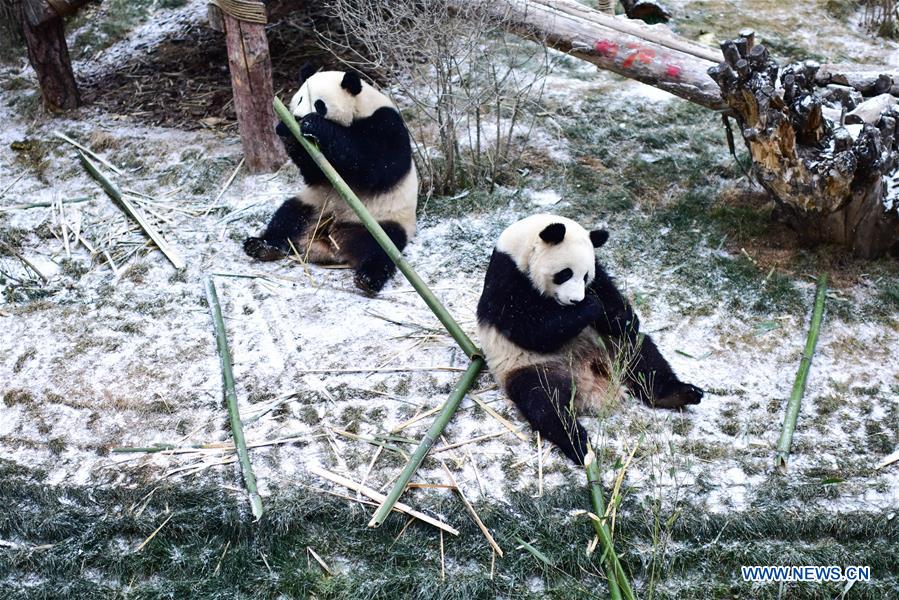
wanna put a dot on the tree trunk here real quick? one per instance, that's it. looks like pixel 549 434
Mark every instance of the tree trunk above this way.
pixel 251 82
pixel 49 57
pixel 40 11
pixel 826 176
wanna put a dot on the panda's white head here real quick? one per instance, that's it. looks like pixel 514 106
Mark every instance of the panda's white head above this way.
pixel 339 96
pixel 555 253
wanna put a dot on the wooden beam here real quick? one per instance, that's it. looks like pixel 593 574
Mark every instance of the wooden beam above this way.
pixel 49 56
pixel 251 83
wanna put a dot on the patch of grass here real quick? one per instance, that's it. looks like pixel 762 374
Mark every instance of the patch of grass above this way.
pixel 32 155
pixel 89 536
pixel 841 9
pixel 57 445
pixel 18 396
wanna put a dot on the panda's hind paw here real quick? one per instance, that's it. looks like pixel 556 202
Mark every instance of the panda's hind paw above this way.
pixel 263 250
pixel 679 395
pixel 371 278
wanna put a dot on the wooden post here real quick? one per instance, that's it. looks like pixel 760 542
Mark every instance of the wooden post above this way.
pixel 251 82
pixel 49 55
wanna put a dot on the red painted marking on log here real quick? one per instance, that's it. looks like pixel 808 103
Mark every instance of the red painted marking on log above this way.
pixel 644 55
pixel 673 71
pixel 606 48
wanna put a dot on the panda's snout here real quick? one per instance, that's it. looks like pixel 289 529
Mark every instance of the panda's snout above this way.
pixel 570 296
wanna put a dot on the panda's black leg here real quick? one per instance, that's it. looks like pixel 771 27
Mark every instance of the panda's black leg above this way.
pixel 543 394
pixel 372 265
pixel 286 226
pixel 649 376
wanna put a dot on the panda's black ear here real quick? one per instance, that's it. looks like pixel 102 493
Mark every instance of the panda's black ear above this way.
pixel 599 237
pixel 351 83
pixel 306 71
pixel 553 234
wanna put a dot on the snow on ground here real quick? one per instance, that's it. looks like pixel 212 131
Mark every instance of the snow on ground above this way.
pixel 109 360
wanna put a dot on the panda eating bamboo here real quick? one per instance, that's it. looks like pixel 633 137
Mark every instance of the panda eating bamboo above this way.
pixel 361 133
pixel 554 327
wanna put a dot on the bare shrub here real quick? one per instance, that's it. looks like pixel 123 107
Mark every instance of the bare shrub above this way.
pixel 882 17
pixel 475 91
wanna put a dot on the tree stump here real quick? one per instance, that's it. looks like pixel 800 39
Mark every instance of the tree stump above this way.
pixel 251 82
pixel 49 55
pixel 832 180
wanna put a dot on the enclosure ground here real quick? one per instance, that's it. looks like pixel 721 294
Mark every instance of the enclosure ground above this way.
pixel 118 351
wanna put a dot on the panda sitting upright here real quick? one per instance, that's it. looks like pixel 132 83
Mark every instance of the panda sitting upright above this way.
pixel 552 325
pixel 362 135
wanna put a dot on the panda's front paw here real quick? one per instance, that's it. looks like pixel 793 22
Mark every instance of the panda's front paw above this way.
pixel 590 308
pixel 678 395
pixel 311 125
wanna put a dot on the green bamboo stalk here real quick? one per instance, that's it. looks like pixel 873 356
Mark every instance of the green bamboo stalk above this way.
pixel 619 586
pixel 452 403
pixel 240 444
pixel 452 327
pixel 792 414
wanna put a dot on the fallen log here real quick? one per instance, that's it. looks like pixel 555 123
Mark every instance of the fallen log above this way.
pixel 651 54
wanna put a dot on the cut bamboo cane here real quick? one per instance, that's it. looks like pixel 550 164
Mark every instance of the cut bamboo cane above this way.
pixel 427 442
pixel 452 327
pixel 231 398
pixel 619 587
pixel 786 435
pixel 132 211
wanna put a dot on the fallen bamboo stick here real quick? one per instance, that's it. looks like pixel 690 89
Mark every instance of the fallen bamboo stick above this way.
pixel 231 398
pixel 42 204
pixel 619 587
pixel 516 431
pixel 472 512
pixel 792 414
pixel 132 212
pixel 87 150
pixel 428 440
pixel 379 497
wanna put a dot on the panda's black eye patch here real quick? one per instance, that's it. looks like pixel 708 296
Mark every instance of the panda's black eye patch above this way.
pixel 321 108
pixel 586 276
pixel 562 276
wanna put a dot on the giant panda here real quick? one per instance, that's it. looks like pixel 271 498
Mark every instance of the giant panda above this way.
pixel 553 326
pixel 361 133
